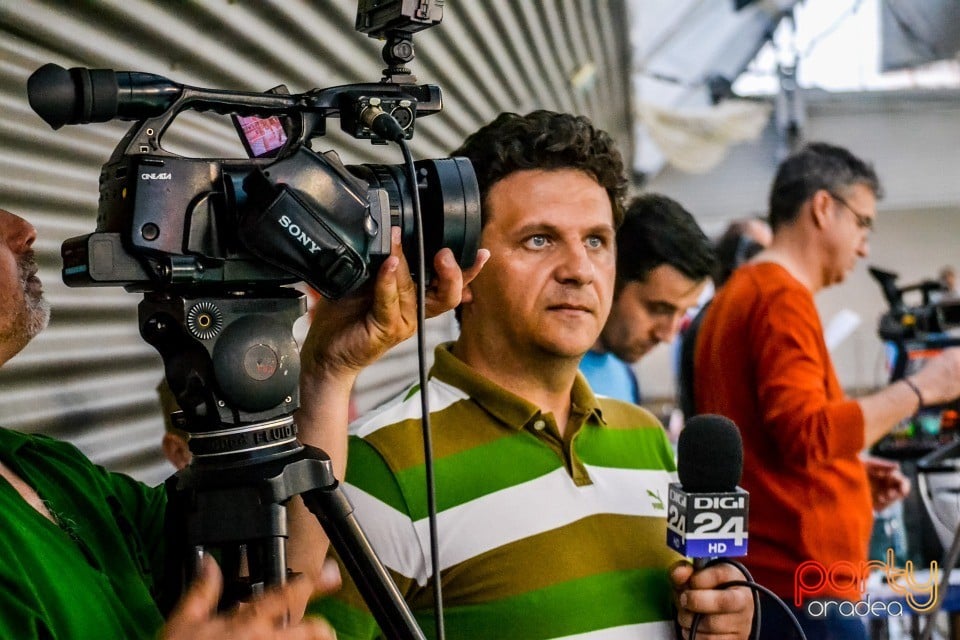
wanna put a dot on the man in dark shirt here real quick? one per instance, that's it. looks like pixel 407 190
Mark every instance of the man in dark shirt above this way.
pixel 664 262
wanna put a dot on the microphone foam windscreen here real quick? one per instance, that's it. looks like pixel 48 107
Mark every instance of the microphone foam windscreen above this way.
pixel 709 454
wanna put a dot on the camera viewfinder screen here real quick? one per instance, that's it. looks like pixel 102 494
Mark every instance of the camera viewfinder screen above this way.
pixel 262 136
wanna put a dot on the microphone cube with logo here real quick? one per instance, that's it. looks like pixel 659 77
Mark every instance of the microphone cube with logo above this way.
pixel 707 525
pixel 706 510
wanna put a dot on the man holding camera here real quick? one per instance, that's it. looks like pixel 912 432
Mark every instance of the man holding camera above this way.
pixel 761 360
pixel 82 547
pixel 551 501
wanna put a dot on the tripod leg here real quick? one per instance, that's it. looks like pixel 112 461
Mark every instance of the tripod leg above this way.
pixel 236 584
pixel 335 513
pixel 204 509
pixel 275 562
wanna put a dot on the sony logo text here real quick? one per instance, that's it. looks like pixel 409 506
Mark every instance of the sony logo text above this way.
pixel 296 232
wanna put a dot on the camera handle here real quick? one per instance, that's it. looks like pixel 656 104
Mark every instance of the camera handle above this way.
pixel 233 366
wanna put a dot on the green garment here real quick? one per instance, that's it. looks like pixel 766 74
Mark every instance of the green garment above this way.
pixel 542 535
pixel 91 576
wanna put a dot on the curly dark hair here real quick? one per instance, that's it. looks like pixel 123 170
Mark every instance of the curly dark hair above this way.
pixel 545 140
pixel 816 166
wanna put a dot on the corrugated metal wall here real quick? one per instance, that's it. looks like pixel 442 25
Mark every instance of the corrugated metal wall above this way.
pixel 90 378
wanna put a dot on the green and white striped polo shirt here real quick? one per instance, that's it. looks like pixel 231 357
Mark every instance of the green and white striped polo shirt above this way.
pixel 540 536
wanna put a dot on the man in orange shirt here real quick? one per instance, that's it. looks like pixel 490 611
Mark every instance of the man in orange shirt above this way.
pixel 761 360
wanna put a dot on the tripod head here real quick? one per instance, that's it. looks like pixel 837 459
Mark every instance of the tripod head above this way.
pixel 232 364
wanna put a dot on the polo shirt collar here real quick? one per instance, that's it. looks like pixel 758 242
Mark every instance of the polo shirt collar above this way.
pixel 501 403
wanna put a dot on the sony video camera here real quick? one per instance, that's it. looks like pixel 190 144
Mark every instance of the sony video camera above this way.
pixel 213 242
pixel 286 213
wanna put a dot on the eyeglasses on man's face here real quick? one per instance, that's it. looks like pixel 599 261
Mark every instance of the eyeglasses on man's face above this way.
pixel 863 222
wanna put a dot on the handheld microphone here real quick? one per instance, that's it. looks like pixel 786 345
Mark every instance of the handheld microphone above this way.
pixel 707 511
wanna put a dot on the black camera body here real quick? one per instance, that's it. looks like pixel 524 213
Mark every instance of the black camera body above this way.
pixel 165 220
pixel 914 333
pixel 212 242
pixel 284 214
pixel 928 320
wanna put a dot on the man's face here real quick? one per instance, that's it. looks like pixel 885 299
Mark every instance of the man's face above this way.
pixel 848 237
pixel 23 311
pixel 950 281
pixel 547 288
pixel 649 312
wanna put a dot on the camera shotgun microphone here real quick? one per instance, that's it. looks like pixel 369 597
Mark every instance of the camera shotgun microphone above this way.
pixel 707 511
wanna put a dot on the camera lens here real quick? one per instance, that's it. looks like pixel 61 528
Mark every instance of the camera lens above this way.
pixel 449 204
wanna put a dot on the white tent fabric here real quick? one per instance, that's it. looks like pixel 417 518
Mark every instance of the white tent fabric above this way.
pixel 696 139
pixel 917 32
pixel 681 49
